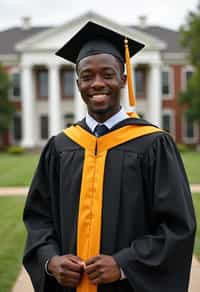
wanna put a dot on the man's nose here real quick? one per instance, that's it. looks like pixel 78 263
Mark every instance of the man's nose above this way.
pixel 98 82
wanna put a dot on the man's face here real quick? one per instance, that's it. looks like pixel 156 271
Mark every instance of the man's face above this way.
pixel 100 80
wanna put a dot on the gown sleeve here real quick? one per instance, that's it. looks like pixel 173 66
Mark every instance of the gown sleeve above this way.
pixel 41 242
pixel 161 259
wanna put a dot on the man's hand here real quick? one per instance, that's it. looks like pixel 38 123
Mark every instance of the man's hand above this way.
pixel 67 269
pixel 102 269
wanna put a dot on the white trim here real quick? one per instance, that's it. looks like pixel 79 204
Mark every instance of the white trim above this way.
pixel 186 139
pixel 154 96
pixel 174 58
pixel 150 41
pixel 170 71
pixel 9 59
pixel 171 113
pixel 185 69
pixel 54 100
pixel 28 107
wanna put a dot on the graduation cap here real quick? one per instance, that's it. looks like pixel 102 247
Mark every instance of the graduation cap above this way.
pixel 94 39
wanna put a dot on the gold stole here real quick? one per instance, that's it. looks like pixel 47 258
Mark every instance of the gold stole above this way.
pixel 90 205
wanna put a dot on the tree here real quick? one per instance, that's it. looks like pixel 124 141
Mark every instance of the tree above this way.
pixel 190 39
pixel 6 107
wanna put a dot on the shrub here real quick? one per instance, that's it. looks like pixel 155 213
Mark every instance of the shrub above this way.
pixel 183 148
pixel 16 150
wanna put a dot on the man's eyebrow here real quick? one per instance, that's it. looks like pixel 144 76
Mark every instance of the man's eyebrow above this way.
pixel 104 67
pixel 84 71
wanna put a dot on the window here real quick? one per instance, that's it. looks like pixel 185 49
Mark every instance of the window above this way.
pixel 186 75
pixel 190 129
pixel 68 120
pixel 44 127
pixel 16 92
pixel 140 82
pixel 168 122
pixel 68 82
pixel 167 83
pixel 43 83
pixel 17 128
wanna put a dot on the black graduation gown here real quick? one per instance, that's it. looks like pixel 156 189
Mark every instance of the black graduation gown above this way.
pixel 148 222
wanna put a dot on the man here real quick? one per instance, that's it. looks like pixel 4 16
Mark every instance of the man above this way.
pixel 109 208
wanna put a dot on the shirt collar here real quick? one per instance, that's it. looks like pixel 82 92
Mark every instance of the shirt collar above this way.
pixel 111 122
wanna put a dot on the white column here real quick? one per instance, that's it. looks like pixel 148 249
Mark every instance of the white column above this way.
pixel 125 95
pixel 28 107
pixel 154 95
pixel 79 105
pixel 54 100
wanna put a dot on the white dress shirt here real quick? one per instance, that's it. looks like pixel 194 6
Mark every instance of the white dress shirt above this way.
pixel 111 122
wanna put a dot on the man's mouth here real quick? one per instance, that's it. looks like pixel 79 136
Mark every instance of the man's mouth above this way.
pixel 99 97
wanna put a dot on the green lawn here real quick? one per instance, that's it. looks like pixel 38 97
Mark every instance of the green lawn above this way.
pixel 192 162
pixel 17 170
pixel 196 200
pixel 12 236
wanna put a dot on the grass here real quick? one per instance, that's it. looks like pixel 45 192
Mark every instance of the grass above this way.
pixel 196 200
pixel 192 161
pixel 17 170
pixel 12 234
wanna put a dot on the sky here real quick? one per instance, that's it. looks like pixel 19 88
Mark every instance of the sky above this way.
pixel 167 13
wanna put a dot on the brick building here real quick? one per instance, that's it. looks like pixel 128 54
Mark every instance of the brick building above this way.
pixel 44 88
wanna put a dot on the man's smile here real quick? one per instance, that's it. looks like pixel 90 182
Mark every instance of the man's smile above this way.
pixel 99 97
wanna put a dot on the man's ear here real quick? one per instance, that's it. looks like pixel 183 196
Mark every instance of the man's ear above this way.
pixel 77 82
pixel 123 80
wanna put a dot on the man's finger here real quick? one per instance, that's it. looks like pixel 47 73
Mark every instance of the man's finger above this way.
pixel 91 268
pixel 71 275
pixel 67 264
pixel 92 260
pixel 74 258
pixel 94 275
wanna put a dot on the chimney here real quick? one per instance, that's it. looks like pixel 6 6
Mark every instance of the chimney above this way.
pixel 143 21
pixel 26 22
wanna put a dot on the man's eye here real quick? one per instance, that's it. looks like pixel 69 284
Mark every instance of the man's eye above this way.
pixel 108 75
pixel 86 77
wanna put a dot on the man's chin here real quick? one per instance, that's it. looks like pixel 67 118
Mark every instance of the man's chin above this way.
pixel 101 111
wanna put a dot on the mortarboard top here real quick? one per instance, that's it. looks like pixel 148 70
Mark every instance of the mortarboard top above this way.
pixel 93 39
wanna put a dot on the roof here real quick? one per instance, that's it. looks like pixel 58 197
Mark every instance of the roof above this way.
pixel 14 35
pixel 9 38
pixel 169 36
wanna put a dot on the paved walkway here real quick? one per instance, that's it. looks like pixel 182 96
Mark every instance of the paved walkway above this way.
pixel 11 191
pixel 23 283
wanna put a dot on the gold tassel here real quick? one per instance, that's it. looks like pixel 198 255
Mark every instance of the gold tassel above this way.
pixel 132 101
